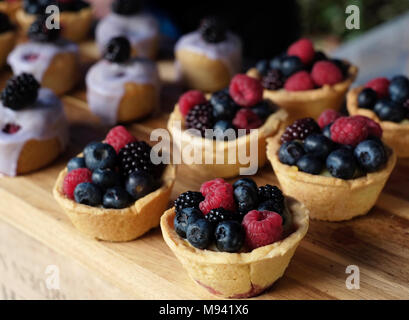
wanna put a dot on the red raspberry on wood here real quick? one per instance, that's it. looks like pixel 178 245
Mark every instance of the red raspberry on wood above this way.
pixel 219 196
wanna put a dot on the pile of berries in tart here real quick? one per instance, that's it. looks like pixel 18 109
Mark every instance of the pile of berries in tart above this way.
pixel 232 218
pixel 301 68
pixel 241 106
pixel 388 99
pixel 338 146
pixel 112 174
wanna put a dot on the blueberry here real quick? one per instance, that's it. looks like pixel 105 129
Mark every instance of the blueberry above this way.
pixel 76 163
pixel 367 98
pixel 88 194
pixel 184 218
pixel 341 163
pixel 327 131
pixel 139 184
pixel 105 178
pixel 224 108
pixel 370 155
pixel 246 182
pixel 99 155
pixel 290 152
pixel 318 145
pixel 116 198
pixel 229 236
pixel 246 198
pixel 200 233
pixel 399 89
pixel 388 110
pixel 263 109
pixel 291 65
pixel 276 62
pixel 262 66
pixel 310 163
pixel 220 128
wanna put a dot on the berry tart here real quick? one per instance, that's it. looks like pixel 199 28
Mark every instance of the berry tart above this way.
pixel 8 35
pixel 238 118
pixel 113 191
pixel 75 16
pixel 34 129
pixel 120 88
pixel 209 57
pixel 141 29
pixel 336 167
pixel 304 81
pixel 386 102
pixel 235 240
pixel 53 61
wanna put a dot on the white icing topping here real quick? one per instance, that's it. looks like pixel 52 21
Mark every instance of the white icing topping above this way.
pixel 45 119
pixel 35 57
pixel 228 51
pixel 141 31
pixel 105 84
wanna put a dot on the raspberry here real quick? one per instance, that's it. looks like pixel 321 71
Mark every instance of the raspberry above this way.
pixel 190 99
pixel 246 119
pixel 273 80
pixel 300 129
pixel 74 178
pixel 118 137
pixel 349 130
pixel 374 129
pixel 209 186
pixel 380 86
pixel 246 91
pixel 303 49
pixel 328 117
pixel 220 196
pixel 325 72
pixel 262 228
pixel 299 81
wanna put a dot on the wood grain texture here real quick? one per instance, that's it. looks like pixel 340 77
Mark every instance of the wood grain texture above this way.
pixel 147 269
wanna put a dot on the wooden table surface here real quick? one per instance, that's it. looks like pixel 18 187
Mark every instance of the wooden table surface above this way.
pixel 34 233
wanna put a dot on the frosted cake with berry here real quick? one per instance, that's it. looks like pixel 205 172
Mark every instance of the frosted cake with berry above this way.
pixel 54 62
pixel 34 129
pixel 304 81
pixel 386 102
pixel 121 88
pixel 8 35
pixel 209 57
pixel 237 118
pixel 75 16
pixel 235 240
pixel 336 167
pixel 126 20
pixel 113 191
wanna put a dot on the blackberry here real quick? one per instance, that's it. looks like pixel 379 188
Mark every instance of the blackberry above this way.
pixel 300 129
pixel 213 30
pixel 118 50
pixel 188 199
pixel 20 91
pixel 136 156
pixel 200 117
pixel 5 24
pixel 273 80
pixel 38 31
pixel 220 214
pixel 126 7
pixel 273 195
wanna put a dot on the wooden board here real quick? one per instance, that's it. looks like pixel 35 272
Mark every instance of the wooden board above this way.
pixel 37 233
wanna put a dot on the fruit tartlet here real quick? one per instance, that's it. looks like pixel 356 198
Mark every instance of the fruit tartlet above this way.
pixel 8 35
pixel 337 167
pixel 386 102
pixel 230 121
pixel 141 29
pixel 53 61
pixel 305 82
pixel 209 57
pixel 120 88
pixel 75 16
pixel 235 240
pixel 113 191
pixel 34 129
